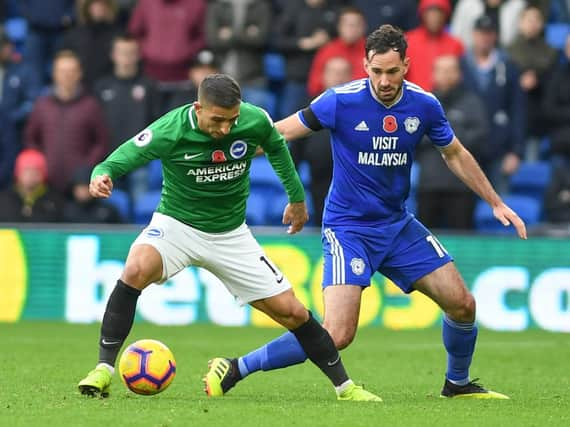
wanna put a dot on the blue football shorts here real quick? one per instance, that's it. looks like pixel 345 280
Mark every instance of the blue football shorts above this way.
pixel 404 251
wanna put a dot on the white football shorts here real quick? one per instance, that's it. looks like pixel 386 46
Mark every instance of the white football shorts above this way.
pixel 234 257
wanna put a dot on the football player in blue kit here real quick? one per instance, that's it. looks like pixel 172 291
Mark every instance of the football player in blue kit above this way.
pixel 376 124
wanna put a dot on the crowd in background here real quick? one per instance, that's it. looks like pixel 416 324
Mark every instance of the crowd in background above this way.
pixel 80 77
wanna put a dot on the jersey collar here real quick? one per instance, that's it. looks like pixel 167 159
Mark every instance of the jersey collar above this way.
pixel 192 118
pixel 380 102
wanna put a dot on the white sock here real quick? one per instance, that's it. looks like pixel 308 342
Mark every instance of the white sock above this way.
pixel 341 388
pixel 460 382
pixel 106 366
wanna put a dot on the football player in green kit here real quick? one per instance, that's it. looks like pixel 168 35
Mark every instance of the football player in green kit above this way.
pixel 206 150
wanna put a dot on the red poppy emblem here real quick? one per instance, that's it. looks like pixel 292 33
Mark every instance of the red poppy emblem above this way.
pixel 390 124
pixel 218 156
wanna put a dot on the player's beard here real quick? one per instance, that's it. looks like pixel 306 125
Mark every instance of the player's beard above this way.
pixel 390 95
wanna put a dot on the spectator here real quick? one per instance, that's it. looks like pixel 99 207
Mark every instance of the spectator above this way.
pixel 557 198
pixel 186 92
pixel 302 28
pixel 349 44
pixel 171 33
pixel 443 200
pixel 429 41
pixel 556 106
pixel 535 59
pixel 68 125
pixel 505 13
pixel 125 9
pixel 130 101
pixel 338 70
pixel 490 73
pixel 47 21
pixel 400 13
pixel 82 208
pixel 128 98
pixel 91 39
pixel 8 149
pixel 19 87
pixel 30 199
pixel 238 33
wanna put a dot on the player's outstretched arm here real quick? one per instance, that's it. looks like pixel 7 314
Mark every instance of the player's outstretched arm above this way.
pixel 296 215
pixel 292 128
pixel 101 186
pixel 462 164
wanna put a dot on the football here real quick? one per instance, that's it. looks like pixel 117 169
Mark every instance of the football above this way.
pixel 147 367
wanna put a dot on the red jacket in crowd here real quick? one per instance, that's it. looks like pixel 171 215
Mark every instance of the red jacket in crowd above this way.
pixel 171 32
pixel 424 47
pixel 353 53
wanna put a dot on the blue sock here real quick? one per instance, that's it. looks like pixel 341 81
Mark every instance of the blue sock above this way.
pixel 459 341
pixel 279 353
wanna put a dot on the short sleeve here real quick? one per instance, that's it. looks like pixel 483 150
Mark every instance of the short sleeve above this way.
pixel 324 108
pixel 439 131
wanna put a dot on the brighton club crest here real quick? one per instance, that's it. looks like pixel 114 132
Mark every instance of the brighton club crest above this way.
pixel 357 265
pixel 411 124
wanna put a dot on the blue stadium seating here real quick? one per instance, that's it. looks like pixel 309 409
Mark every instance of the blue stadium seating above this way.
pixel 154 177
pixel 304 170
pixel 16 29
pixel 263 98
pixel 256 209
pixel 145 206
pixel 262 173
pixel 121 201
pixel 531 179
pixel 274 66
pixel 556 34
pixel 526 207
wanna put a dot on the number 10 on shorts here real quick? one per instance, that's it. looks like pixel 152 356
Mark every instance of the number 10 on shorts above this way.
pixel 441 251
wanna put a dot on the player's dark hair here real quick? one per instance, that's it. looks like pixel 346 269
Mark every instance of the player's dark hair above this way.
pixel 385 38
pixel 220 90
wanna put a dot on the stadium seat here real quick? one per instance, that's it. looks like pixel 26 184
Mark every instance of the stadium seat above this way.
pixel 556 34
pixel 262 174
pixel 526 207
pixel 304 170
pixel 275 206
pixel 145 206
pixel 16 29
pixel 255 213
pixel 274 66
pixel 261 97
pixel 121 201
pixel 531 179
pixel 154 177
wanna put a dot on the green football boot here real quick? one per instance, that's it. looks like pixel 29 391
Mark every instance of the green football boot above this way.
pixel 97 383
pixel 222 375
pixel 357 393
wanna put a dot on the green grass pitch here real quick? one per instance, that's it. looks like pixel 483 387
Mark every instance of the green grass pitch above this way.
pixel 41 363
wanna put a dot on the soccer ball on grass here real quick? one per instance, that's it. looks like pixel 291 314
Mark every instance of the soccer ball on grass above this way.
pixel 147 367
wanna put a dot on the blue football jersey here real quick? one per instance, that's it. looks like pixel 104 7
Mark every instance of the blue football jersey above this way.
pixel 373 149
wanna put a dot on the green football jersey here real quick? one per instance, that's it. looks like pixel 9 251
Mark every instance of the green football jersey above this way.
pixel 206 180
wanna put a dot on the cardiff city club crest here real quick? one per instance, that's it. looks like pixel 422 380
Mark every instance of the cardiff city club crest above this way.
pixel 411 124
pixel 218 156
pixel 357 265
